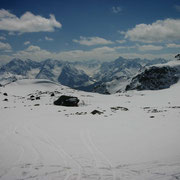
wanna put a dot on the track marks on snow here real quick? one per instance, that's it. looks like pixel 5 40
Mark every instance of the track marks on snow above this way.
pixel 102 166
pixel 42 147
pixel 42 139
pixel 149 170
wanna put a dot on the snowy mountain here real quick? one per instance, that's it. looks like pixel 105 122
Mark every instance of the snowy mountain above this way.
pixel 20 67
pixel 134 136
pixel 72 77
pixel 50 70
pixel 92 76
pixel 156 77
pixel 116 75
pixel 57 71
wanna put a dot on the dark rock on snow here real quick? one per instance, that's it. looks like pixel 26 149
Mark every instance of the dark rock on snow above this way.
pixel 96 112
pixel 66 101
pixel 32 96
pixel 52 94
pixel 38 98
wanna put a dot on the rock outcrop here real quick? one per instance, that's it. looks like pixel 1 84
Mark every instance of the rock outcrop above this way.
pixel 67 101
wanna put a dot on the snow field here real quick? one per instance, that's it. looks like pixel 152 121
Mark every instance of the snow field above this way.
pixel 41 141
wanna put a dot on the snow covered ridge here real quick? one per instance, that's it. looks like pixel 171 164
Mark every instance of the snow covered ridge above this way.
pixel 49 69
pixel 157 77
pixel 128 136
pixel 92 76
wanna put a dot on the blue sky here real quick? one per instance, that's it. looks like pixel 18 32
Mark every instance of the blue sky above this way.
pixel 89 29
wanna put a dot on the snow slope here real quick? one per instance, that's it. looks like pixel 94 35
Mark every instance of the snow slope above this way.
pixel 135 138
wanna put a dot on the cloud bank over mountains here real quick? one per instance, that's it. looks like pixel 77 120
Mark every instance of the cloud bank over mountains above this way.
pixel 104 35
pixel 5 46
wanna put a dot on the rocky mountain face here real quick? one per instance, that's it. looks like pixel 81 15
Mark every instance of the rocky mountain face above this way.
pixel 66 73
pixel 116 75
pixel 50 69
pixel 111 74
pixel 72 77
pixel 19 67
pixel 156 78
pixel 94 76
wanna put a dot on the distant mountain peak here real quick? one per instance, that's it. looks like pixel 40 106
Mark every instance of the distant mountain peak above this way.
pixel 101 77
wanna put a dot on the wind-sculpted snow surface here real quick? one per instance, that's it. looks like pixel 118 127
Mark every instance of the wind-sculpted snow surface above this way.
pixel 135 137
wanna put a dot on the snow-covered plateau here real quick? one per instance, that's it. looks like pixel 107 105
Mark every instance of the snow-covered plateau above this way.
pixel 135 137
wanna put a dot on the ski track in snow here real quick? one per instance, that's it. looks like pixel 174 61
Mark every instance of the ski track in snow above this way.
pixel 13 165
pixel 103 168
pixel 102 164
pixel 45 139
pixel 36 154
pixel 62 153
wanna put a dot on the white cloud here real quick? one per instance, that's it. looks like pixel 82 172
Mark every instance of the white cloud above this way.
pixel 48 39
pixel 6 14
pixel 121 32
pixel 2 38
pixel 104 49
pixel 4 59
pixel 33 48
pixel 125 47
pixel 27 43
pixel 140 47
pixel 90 41
pixel 11 33
pixel 147 56
pixel 116 9
pixel 5 47
pixel 173 45
pixel 161 30
pixel 28 22
pixel 102 53
pixel 177 7
pixel 149 47
pixel 34 53
pixel 121 41
pixel 38 54
pixel 77 55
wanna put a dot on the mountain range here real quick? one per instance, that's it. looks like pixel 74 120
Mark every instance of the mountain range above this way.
pixel 95 76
